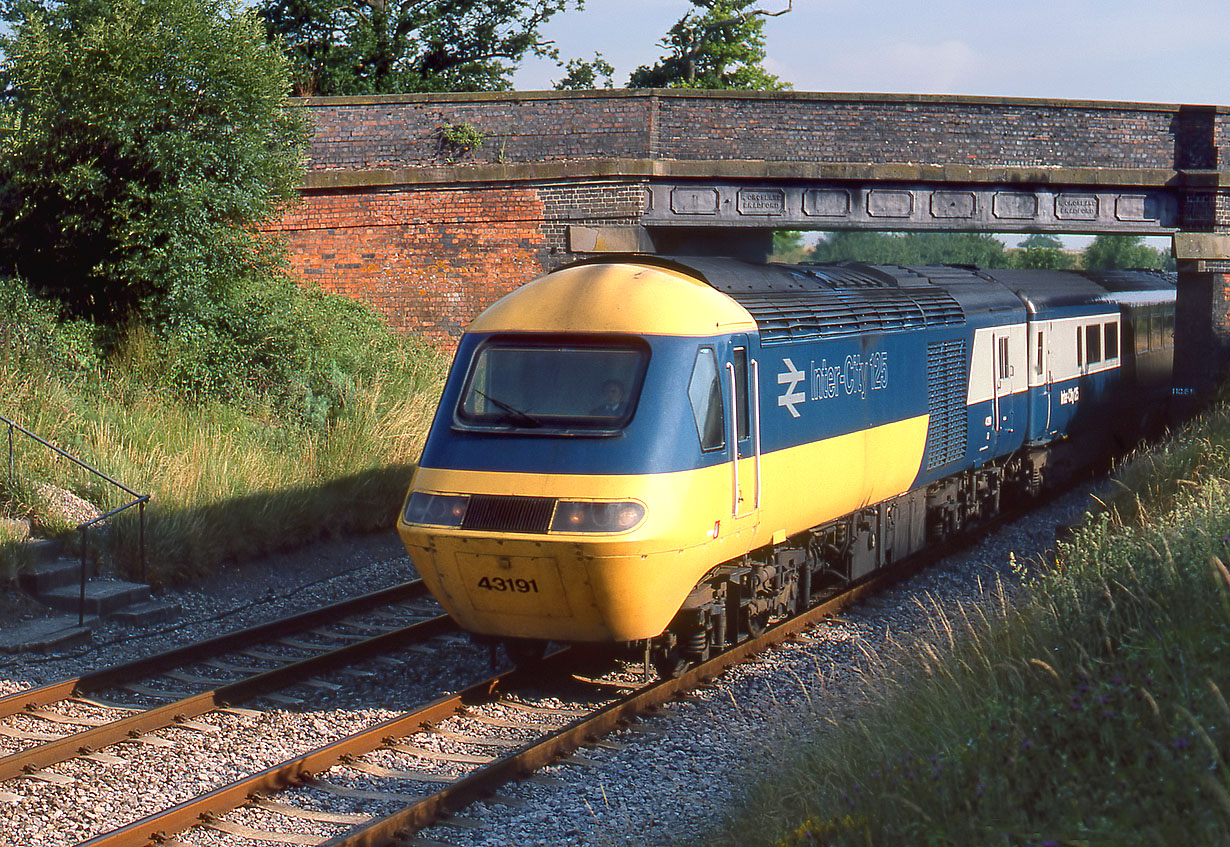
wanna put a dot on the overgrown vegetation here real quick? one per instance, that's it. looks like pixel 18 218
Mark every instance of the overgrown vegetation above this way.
pixel 309 429
pixel 1093 712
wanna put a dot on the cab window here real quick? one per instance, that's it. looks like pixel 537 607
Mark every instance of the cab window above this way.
pixel 533 387
pixel 705 396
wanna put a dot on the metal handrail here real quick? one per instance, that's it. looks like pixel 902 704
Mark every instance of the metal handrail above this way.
pixel 139 501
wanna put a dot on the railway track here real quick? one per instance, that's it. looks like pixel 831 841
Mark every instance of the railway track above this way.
pixel 429 763
pixel 84 715
pixel 411 772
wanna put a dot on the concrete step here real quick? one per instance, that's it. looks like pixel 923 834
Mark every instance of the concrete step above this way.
pixel 58 632
pixel 45 550
pixel 57 573
pixel 147 613
pixel 102 596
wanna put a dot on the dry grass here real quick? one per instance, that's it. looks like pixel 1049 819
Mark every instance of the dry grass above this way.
pixel 225 483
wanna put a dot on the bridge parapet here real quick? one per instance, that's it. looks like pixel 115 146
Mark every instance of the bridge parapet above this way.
pixel 400 131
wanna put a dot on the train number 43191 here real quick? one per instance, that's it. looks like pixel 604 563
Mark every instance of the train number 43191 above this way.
pixel 518 586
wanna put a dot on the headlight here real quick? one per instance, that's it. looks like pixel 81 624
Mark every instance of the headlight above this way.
pixel 577 516
pixel 436 509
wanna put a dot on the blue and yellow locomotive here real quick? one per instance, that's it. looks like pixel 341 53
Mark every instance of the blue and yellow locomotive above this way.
pixel 673 451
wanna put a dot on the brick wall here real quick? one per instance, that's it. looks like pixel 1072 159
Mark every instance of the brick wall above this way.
pixel 405 131
pixel 430 258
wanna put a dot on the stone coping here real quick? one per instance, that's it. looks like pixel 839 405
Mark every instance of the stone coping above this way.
pixel 615 168
pixel 696 93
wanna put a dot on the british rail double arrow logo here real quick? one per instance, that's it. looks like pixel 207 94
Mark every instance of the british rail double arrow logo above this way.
pixel 791 377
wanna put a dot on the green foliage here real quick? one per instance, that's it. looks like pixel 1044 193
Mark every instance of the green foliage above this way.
pixel 1108 252
pixel 459 139
pixel 1093 711
pixel 294 351
pixel 585 75
pixel 915 248
pixel 719 44
pixel 788 247
pixel 338 47
pixel 1043 252
pixel 150 141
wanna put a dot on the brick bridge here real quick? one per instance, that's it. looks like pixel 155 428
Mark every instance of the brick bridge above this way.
pixel 400 212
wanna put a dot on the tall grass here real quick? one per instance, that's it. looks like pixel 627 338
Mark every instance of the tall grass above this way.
pixel 230 478
pixel 1094 711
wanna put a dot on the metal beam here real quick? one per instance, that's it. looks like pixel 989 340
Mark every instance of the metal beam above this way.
pixel 911 206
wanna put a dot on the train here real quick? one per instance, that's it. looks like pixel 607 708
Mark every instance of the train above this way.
pixel 668 453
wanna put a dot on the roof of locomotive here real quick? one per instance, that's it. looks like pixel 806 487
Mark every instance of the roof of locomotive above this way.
pixel 617 295
pixel 800 302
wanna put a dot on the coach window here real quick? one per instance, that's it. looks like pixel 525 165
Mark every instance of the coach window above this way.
pixel 1093 344
pixel 1080 349
pixel 1038 360
pixel 1110 334
pixel 705 394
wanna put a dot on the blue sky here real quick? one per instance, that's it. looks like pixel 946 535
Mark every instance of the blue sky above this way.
pixel 1177 51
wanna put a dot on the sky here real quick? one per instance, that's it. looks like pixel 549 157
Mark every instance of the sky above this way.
pixel 1177 51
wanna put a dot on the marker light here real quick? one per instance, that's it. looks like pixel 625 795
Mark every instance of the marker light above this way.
pixel 436 509
pixel 580 516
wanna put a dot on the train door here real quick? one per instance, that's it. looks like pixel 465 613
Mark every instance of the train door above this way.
pixel 1040 381
pixel 742 378
pixel 1000 366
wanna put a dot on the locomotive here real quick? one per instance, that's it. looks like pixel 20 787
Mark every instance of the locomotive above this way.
pixel 667 453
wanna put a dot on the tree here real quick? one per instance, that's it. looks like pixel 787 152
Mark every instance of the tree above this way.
pixel 584 75
pixel 720 44
pixel 788 247
pixel 342 47
pixel 1043 252
pixel 1123 251
pixel 915 248
pixel 150 140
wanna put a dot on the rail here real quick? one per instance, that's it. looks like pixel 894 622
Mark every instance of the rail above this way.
pixel 139 501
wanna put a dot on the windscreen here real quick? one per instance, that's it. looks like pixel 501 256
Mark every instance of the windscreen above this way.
pixel 533 387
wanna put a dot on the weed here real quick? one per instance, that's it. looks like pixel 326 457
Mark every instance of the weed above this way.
pixel 458 140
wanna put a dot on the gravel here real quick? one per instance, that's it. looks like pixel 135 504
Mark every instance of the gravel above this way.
pixel 674 777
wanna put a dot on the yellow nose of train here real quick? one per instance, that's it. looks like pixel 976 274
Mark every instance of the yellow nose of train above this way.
pixel 565 490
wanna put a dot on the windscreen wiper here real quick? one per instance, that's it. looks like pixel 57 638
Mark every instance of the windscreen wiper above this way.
pixel 518 415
